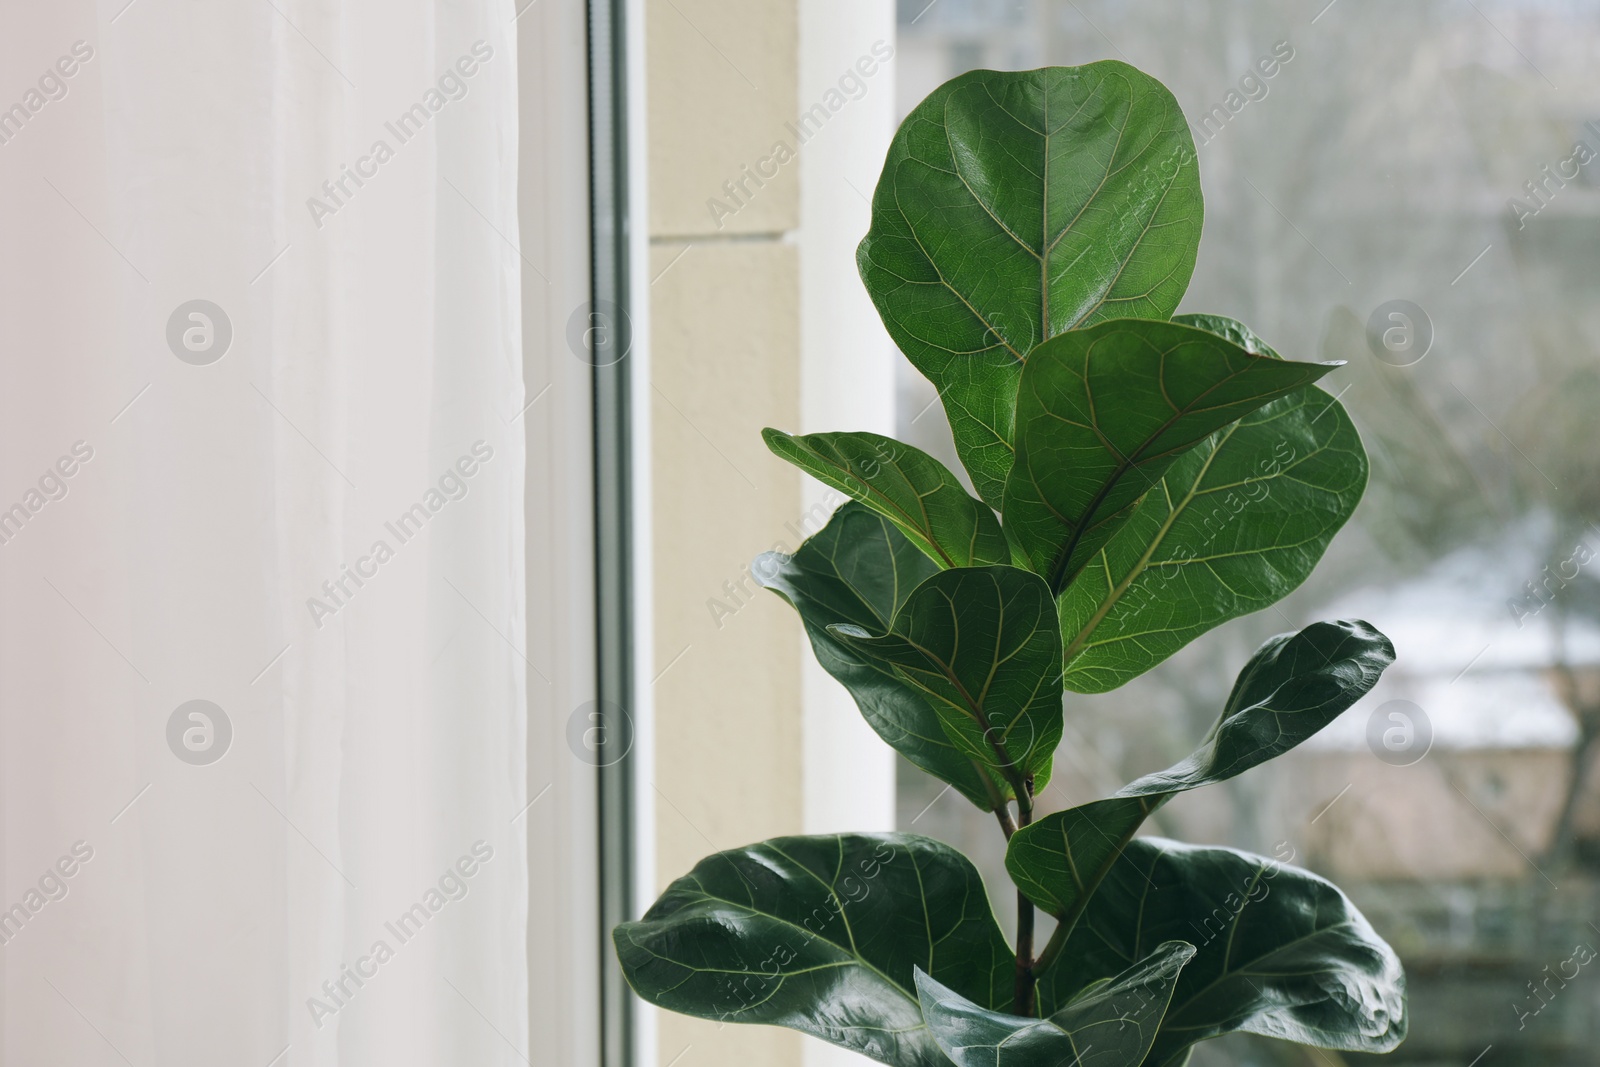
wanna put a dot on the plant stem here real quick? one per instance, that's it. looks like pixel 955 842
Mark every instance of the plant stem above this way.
pixel 1007 827
pixel 1022 998
pixel 1022 786
pixel 1052 949
pixel 997 802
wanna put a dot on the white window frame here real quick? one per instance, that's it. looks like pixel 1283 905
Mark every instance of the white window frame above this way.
pixel 568 951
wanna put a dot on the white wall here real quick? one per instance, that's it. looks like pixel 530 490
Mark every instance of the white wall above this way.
pixel 847 358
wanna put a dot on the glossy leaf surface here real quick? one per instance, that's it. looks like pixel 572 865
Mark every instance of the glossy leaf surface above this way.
pixel 1014 206
pixel 1293 686
pixel 823 934
pixel 1232 329
pixel 859 570
pixel 1235 525
pixel 1281 952
pixel 1103 412
pixel 1058 861
pixel 906 486
pixel 1110 1024
pixel 978 643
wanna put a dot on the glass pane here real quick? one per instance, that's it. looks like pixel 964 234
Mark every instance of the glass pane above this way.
pixel 1412 189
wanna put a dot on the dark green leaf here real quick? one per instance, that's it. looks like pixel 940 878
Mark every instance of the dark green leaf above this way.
pixel 906 486
pixel 823 935
pixel 1292 687
pixel 1109 1024
pixel 859 570
pixel 1059 860
pixel 1232 329
pixel 1282 952
pixel 1103 412
pixel 1236 524
pixel 1014 206
pixel 978 641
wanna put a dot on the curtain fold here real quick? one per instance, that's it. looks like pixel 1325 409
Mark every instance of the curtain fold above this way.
pixel 260 289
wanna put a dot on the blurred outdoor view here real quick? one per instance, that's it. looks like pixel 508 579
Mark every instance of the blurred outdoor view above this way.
pixel 1444 154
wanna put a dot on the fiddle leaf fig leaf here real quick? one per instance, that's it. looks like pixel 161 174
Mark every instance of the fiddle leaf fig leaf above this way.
pixel 1232 329
pixel 1015 206
pixel 823 934
pixel 1292 687
pixel 1112 1023
pixel 858 570
pixel 1235 525
pixel 1058 861
pixel 977 642
pixel 1280 951
pixel 906 486
pixel 1103 412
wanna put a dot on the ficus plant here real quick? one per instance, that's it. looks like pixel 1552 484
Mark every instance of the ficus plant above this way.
pixel 1140 478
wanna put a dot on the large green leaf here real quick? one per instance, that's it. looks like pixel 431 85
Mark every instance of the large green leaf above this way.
pixel 1103 412
pixel 823 935
pixel 1014 206
pixel 859 570
pixel 1293 686
pixel 906 486
pixel 1236 524
pixel 978 641
pixel 1282 952
pixel 1109 1024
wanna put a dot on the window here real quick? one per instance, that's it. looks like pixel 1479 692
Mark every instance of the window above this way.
pixel 1411 189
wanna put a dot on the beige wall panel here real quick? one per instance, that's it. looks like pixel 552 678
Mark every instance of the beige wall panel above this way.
pixel 723 81
pixel 726 363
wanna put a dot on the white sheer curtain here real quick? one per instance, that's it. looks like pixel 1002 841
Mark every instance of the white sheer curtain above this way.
pixel 217 538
